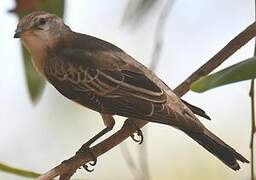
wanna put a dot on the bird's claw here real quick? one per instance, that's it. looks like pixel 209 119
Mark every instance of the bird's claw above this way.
pixel 130 122
pixel 86 167
pixel 140 134
pixel 86 149
pixel 92 163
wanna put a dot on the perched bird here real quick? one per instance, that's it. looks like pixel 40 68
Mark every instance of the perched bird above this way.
pixel 102 77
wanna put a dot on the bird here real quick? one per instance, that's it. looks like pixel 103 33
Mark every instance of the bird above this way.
pixel 102 77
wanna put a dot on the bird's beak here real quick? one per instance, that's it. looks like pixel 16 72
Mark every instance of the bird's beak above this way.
pixel 18 32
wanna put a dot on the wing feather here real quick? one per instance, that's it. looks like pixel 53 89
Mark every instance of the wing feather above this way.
pixel 108 85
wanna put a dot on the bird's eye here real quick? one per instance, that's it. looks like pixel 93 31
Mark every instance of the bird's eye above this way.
pixel 42 21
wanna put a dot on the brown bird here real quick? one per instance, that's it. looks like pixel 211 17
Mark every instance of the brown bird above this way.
pixel 102 77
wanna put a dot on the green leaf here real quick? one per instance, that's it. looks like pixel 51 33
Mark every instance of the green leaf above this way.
pixel 35 82
pixel 19 172
pixel 244 70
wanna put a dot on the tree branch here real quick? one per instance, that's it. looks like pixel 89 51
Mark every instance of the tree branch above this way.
pixel 235 44
pixel 66 169
pixel 251 94
pixel 253 130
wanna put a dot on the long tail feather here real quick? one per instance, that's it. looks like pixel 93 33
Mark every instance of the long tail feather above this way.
pixel 218 148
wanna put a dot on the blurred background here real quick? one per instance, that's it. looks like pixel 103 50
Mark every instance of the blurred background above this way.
pixel 40 136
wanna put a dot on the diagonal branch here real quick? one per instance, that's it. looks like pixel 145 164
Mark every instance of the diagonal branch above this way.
pixel 235 44
pixel 66 169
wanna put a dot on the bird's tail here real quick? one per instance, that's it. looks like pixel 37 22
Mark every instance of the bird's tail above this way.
pixel 218 148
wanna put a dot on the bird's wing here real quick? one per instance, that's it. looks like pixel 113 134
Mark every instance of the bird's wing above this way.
pixel 198 111
pixel 118 87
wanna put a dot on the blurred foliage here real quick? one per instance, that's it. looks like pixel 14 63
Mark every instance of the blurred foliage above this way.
pixel 136 10
pixel 19 172
pixel 35 82
pixel 241 71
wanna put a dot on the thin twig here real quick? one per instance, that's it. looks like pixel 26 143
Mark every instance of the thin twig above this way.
pixel 76 161
pixel 251 94
pixel 252 128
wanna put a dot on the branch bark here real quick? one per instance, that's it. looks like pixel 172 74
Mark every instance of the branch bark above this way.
pixel 251 94
pixel 66 169
pixel 235 44
pixel 253 130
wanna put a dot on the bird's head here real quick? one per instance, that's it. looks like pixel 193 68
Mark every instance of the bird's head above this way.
pixel 39 32
pixel 41 25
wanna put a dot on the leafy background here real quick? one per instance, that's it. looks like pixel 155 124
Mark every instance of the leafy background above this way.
pixel 39 137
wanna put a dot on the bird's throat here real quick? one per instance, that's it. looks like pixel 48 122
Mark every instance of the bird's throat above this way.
pixel 38 49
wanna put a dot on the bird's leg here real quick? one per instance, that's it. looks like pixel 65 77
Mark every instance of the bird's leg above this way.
pixel 138 131
pixel 109 123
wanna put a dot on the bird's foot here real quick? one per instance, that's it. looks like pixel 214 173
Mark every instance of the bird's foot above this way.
pixel 138 132
pixel 86 149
